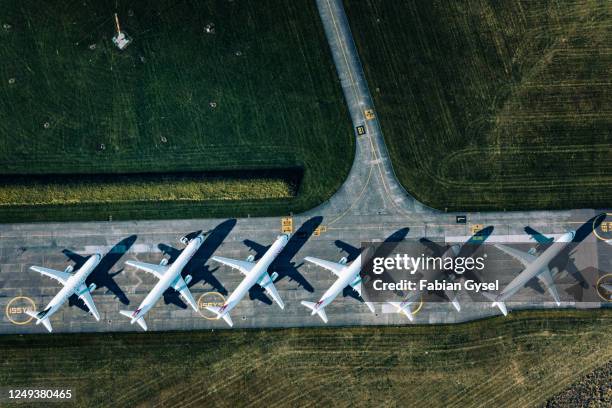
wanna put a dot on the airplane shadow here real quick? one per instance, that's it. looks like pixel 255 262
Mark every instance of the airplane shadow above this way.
pixel 101 275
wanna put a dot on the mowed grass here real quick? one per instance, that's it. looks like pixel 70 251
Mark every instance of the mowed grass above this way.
pixel 493 105
pixel 143 188
pixel 260 93
pixel 520 360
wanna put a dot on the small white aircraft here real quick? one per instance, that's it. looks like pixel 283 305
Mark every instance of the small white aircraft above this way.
pixel 535 266
pixel 405 307
pixel 169 277
pixel 73 284
pixel 255 273
pixel 348 275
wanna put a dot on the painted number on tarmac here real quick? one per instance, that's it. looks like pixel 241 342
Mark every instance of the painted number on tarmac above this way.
pixel 361 130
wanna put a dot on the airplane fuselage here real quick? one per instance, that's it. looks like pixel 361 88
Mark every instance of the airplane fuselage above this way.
pixel 169 277
pixel 255 274
pixel 72 285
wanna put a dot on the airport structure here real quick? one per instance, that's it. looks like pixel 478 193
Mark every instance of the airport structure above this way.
pixel 292 261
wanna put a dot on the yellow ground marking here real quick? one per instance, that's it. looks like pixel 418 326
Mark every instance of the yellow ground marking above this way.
pixel 607 228
pixel 210 299
pixel 287 225
pixel 597 287
pixel 14 310
pixel 319 230
pixel 418 309
pixel 474 228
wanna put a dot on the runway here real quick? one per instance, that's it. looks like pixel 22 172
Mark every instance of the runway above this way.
pixel 370 206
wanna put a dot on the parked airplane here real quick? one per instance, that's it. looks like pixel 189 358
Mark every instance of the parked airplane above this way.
pixel 73 284
pixel 255 273
pixel 348 275
pixel 535 266
pixel 451 251
pixel 169 277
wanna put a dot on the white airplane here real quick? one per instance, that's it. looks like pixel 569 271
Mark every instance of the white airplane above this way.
pixel 169 277
pixel 405 307
pixel 73 284
pixel 535 266
pixel 255 273
pixel 348 275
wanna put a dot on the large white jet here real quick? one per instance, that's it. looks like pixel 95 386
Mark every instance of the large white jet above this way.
pixel 255 273
pixel 535 266
pixel 348 275
pixel 405 307
pixel 169 277
pixel 73 284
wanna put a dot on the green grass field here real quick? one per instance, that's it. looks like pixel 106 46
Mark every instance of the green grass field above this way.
pixel 493 105
pixel 260 93
pixel 193 187
pixel 521 360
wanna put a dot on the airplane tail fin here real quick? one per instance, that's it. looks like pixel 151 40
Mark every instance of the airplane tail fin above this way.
pixel 404 310
pixel 320 312
pixel 225 316
pixel 496 303
pixel 141 322
pixel 44 320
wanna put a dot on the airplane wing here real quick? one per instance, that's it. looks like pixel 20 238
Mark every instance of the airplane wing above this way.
pixel 520 256
pixel 181 287
pixel 538 237
pixel 243 266
pixel 266 282
pixel 334 267
pixel 84 294
pixel 547 279
pixel 157 270
pixel 61 277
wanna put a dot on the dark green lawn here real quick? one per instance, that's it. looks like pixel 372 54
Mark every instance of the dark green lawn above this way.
pixel 493 104
pixel 65 90
pixel 520 360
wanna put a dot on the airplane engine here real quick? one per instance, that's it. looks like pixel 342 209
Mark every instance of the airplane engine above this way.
pixel 92 287
pixel 188 279
pixel 250 258
pixel 69 269
pixel 164 262
pixel 343 260
pixel 184 240
pixel 274 276
pixel 532 251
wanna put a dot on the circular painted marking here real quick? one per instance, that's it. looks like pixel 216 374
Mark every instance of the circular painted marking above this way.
pixel 599 289
pixel 606 234
pixel 210 299
pixel 17 306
